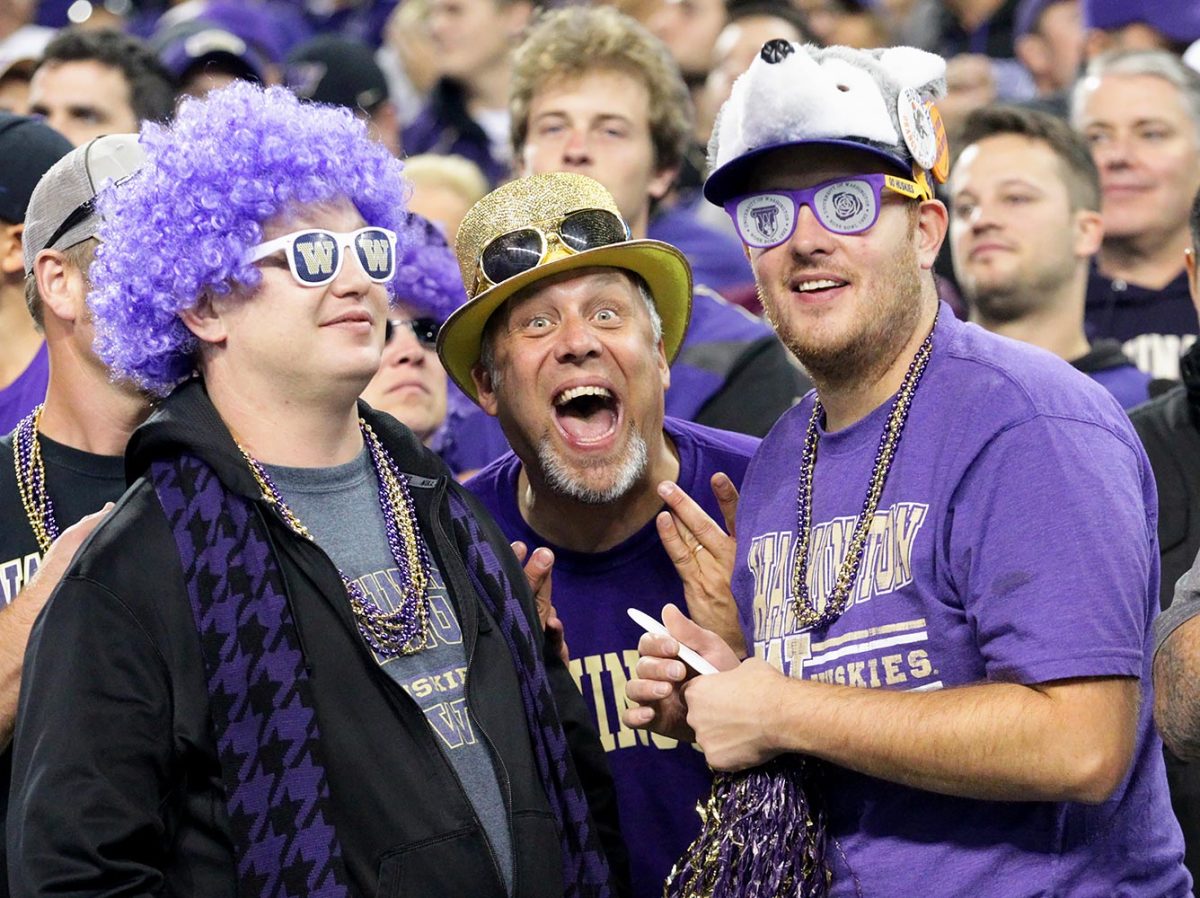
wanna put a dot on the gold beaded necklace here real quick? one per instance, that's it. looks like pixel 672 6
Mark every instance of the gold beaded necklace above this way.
pixel 803 605
pixel 405 629
pixel 31 481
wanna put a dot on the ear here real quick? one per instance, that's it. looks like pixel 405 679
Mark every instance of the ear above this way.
pixel 204 320
pixel 661 182
pixel 485 389
pixel 1089 233
pixel 12 259
pixel 664 368
pixel 932 222
pixel 1189 261
pixel 60 284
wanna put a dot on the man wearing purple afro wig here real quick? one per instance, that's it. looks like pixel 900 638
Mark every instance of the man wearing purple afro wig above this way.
pixel 296 659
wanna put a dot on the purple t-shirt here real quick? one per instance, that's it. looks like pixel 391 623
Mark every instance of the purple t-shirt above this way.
pixel 658 780
pixel 1014 542
pixel 20 397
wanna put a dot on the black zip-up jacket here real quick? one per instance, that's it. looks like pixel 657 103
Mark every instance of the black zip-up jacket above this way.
pixel 116 784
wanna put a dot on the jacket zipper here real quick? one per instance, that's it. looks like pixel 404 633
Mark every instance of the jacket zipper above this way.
pixel 497 761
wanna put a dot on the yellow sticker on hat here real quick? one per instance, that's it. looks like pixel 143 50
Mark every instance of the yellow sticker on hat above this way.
pixel 917 128
pixel 940 168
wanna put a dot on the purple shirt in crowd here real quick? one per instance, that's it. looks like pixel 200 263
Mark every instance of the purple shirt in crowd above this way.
pixel 20 397
pixel 1155 326
pixel 658 780
pixel 1014 542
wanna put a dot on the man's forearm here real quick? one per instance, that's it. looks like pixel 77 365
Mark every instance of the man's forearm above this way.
pixel 991 741
pixel 16 622
pixel 1176 695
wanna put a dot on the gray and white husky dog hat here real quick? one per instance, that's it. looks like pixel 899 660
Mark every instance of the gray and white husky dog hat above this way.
pixel 794 94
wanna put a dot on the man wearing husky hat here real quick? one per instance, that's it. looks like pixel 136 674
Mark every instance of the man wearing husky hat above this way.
pixel 958 523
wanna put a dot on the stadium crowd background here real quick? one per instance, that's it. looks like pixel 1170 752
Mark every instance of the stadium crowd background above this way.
pixel 451 87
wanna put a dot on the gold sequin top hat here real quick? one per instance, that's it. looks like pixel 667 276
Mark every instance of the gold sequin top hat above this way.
pixel 542 201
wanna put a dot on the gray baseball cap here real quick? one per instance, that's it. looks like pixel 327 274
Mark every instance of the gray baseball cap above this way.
pixel 61 210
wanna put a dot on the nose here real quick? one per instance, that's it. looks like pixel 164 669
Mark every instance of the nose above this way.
pixel 575 151
pixel 1114 151
pixel 810 236
pixel 576 340
pixel 982 218
pixel 403 348
pixel 351 280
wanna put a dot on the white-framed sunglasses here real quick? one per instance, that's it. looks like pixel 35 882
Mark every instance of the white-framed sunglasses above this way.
pixel 315 255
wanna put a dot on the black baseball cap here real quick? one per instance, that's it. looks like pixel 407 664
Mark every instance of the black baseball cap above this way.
pixel 29 147
pixel 337 70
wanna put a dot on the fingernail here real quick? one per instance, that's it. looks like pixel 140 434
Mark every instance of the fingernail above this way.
pixel 662 690
pixel 677 671
pixel 666 488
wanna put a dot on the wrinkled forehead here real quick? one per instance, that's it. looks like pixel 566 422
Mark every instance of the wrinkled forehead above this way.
pixel 803 166
pixel 569 287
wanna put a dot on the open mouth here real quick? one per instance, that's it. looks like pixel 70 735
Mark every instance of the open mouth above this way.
pixel 587 415
pixel 817 286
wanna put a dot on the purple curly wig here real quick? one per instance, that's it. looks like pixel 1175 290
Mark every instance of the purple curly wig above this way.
pixel 185 223
pixel 427 276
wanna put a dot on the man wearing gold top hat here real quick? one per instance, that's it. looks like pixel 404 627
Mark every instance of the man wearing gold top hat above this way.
pixel 567 339
pixel 946 565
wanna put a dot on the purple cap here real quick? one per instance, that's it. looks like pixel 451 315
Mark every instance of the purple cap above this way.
pixel 1176 20
pixel 189 44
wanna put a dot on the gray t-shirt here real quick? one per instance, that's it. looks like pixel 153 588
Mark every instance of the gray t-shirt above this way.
pixel 1184 606
pixel 340 507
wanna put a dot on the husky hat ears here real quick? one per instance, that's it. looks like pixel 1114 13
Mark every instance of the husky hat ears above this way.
pixel 794 94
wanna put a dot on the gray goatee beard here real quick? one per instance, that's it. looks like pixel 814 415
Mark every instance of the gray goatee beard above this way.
pixel 560 480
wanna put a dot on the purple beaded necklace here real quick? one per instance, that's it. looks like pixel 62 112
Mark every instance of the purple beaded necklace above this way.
pixel 31 481
pixel 403 630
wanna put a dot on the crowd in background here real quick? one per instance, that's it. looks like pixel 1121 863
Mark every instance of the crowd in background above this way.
pixel 1072 178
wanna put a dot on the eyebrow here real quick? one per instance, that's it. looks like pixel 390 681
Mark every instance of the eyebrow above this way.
pixel 1153 120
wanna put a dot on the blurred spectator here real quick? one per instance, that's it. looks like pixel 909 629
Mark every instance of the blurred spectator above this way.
pixel 90 83
pixel 1049 43
pixel 271 28
pixel 467 112
pixel 411 382
pixel 978 26
pixel 19 53
pixel 1170 430
pixel 970 85
pixel 408 58
pixel 444 188
pixel 1025 223
pixel 911 23
pixel 202 57
pixel 690 28
pixel 360 20
pixel 29 148
pixel 849 23
pixel 1140 111
pixel 982 30
pixel 343 72
pixel 1147 25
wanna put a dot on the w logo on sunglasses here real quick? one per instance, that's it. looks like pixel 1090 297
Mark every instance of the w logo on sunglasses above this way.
pixel 376 254
pixel 315 256
pixel 318 255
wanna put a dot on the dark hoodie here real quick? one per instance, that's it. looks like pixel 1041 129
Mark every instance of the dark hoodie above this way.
pixel 116 783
